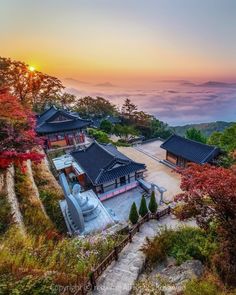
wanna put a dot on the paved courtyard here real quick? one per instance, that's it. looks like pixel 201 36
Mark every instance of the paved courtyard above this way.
pixel 156 172
pixel 153 148
pixel 119 206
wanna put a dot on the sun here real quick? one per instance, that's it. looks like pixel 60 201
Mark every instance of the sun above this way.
pixel 31 68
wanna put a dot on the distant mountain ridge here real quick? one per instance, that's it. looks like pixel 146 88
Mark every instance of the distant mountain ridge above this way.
pixel 211 84
pixel 206 128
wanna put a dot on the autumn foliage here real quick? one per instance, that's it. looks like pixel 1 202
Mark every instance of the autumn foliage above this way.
pixel 17 134
pixel 211 191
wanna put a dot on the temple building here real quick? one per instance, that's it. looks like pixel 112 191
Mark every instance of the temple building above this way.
pixel 180 151
pixel 105 170
pixel 61 128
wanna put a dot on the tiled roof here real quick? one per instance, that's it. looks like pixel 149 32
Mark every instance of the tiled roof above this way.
pixel 190 150
pixel 104 163
pixel 46 121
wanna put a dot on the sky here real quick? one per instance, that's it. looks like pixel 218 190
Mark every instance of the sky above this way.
pixel 125 42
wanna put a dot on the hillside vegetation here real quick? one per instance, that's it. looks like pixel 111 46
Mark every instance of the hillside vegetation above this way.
pixel 206 128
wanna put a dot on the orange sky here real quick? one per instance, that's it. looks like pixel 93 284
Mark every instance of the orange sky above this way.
pixel 122 40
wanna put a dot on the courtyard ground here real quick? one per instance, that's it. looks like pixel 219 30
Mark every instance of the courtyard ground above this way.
pixel 119 206
pixel 158 173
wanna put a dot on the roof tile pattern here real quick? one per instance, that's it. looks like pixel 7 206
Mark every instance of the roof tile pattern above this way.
pixel 104 163
pixel 191 150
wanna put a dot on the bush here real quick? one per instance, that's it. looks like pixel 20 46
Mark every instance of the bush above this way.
pixel 183 212
pixel 27 286
pixel 153 203
pixel 36 222
pixel 106 126
pixel 202 287
pixel 50 194
pixel 5 213
pixel 63 256
pixel 133 215
pixel 183 244
pixel 143 210
pixel 99 135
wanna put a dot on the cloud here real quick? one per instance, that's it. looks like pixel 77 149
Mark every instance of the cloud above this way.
pixel 180 106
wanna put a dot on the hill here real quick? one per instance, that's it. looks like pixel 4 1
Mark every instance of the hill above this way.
pixel 206 128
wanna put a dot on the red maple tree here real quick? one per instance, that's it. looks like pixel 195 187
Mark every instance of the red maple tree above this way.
pixel 211 192
pixel 17 132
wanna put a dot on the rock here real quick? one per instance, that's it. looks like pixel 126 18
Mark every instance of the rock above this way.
pixel 172 278
pixel 186 271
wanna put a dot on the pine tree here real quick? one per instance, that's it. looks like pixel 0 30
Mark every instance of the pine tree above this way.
pixel 143 210
pixel 133 215
pixel 153 203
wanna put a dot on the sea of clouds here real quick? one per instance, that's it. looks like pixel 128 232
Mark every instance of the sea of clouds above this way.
pixel 174 103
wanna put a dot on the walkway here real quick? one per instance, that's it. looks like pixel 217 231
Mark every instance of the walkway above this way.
pixel 119 277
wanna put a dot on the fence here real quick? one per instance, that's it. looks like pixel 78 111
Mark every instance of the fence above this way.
pixel 90 283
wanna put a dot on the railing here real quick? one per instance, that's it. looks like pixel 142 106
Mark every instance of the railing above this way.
pixel 90 284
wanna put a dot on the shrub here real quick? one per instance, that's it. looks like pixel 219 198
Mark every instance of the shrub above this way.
pixel 99 135
pixel 183 244
pixel 201 287
pixel 63 256
pixel 50 194
pixel 27 286
pixel 106 126
pixel 143 210
pixel 5 213
pixel 133 215
pixel 183 212
pixel 153 203
pixel 34 218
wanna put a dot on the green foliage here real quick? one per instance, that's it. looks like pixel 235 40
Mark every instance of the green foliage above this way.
pixel 153 203
pixel 183 244
pixel 206 128
pixel 106 126
pixel 126 132
pixel 89 107
pixel 99 135
pixel 5 213
pixel 201 287
pixel 50 194
pixel 50 201
pixel 43 253
pixel 226 140
pixel 34 218
pixel 143 210
pixel 196 135
pixel 133 215
pixel 28 285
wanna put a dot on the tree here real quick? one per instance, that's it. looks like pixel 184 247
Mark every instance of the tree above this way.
pixel 128 109
pixel 153 203
pixel 33 89
pixel 17 135
pixel 133 215
pixel 126 132
pixel 194 134
pixel 211 191
pixel 226 141
pixel 106 126
pixel 143 210
pixel 98 107
pixel 99 135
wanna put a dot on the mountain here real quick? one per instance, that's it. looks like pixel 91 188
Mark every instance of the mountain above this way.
pixel 75 81
pixel 105 84
pixel 217 84
pixel 206 128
